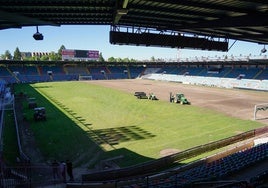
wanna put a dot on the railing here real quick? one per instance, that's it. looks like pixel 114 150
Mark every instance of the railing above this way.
pixel 19 175
pixel 23 156
pixel 28 176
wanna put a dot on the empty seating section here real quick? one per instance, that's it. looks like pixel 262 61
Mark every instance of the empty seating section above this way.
pixel 57 73
pixel 136 71
pixel 235 72
pixel 251 73
pixel 25 73
pixel 54 69
pixel 98 72
pixel 150 70
pixel 64 77
pixel 4 71
pixel 24 78
pixel 31 70
pixel 263 75
pixel 216 170
pixel 224 71
pixel 24 70
pixel 6 75
pixel 168 72
pixel 227 165
pixel 182 71
pixel 18 69
pixel 73 69
pixel 195 71
pixel 117 72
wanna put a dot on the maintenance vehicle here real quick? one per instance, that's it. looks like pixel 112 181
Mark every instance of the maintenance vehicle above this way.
pixel 178 98
pixel 40 114
pixel 152 96
pixel 140 95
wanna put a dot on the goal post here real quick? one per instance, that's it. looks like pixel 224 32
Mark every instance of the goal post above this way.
pixel 84 77
pixel 260 108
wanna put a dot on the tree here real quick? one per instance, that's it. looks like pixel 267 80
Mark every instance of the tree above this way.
pixel 111 59
pixel 101 59
pixel 119 59
pixel 60 50
pixel 17 54
pixel 32 58
pixel 126 60
pixel 7 55
pixel 2 56
pixel 53 56
pixel 44 58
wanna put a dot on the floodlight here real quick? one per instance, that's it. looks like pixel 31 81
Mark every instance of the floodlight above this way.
pixel 37 35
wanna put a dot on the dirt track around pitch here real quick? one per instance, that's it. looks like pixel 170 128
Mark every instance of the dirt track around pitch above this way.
pixel 233 102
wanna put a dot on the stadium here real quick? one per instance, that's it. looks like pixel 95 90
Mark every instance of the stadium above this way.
pixel 235 100
pixel 92 114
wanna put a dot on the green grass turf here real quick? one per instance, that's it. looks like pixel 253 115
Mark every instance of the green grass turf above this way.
pixel 86 122
pixel 10 145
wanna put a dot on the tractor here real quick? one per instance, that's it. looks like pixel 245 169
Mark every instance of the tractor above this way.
pixel 178 98
pixel 140 95
pixel 40 114
pixel 152 96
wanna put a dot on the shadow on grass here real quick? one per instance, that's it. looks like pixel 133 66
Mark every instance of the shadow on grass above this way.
pixel 62 137
pixel 114 136
pixel 11 152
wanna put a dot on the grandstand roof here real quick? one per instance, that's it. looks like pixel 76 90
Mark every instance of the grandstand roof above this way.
pixel 233 19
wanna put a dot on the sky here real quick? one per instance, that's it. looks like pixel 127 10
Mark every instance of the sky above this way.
pixel 97 38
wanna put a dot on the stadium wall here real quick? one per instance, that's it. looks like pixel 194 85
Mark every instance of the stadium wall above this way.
pixel 261 85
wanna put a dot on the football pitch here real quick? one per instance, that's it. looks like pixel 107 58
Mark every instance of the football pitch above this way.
pixel 87 123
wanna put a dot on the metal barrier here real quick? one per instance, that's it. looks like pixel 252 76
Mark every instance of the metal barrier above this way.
pixel 23 156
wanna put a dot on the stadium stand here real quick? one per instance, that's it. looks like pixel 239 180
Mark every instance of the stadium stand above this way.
pixel 247 75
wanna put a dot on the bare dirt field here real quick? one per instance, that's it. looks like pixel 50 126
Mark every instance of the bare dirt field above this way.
pixel 232 102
